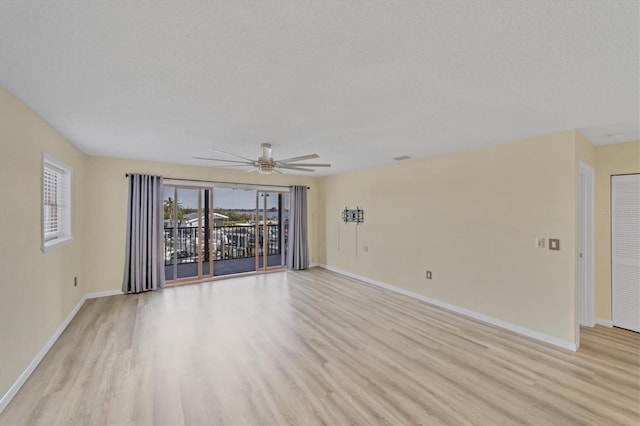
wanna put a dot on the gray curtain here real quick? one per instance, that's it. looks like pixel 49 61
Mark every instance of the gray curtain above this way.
pixel 298 246
pixel 144 259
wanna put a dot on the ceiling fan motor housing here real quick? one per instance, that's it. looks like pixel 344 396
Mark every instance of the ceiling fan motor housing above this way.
pixel 265 163
pixel 265 168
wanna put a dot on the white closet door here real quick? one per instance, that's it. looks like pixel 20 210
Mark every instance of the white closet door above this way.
pixel 625 251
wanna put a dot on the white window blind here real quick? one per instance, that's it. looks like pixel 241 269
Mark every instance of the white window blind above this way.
pixel 56 203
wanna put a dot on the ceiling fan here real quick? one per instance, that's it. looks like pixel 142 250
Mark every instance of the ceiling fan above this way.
pixel 266 164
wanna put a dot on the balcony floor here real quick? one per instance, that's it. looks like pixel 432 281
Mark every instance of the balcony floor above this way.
pixel 220 267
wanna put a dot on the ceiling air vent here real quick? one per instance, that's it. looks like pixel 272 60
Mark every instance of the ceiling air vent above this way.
pixel 402 157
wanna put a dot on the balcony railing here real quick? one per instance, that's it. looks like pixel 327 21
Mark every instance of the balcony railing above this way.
pixel 226 242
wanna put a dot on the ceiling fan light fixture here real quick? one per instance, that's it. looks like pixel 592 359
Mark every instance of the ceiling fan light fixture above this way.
pixel 265 168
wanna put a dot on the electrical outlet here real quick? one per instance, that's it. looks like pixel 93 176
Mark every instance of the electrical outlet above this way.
pixel 365 248
pixel 540 242
pixel 428 275
pixel 75 281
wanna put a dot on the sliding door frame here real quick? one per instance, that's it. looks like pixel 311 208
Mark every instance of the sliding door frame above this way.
pixel 200 235
pixel 207 185
pixel 265 241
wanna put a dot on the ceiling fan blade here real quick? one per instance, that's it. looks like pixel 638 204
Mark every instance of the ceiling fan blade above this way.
pixel 226 161
pixel 232 155
pixel 278 171
pixel 302 169
pixel 301 158
pixel 309 164
pixel 226 166
pixel 252 170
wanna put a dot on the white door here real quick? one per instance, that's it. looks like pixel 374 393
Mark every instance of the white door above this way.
pixel 625 251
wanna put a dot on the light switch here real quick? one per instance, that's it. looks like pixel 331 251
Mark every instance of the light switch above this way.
pixel 554 244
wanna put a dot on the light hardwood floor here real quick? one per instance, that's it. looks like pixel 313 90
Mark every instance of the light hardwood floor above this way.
pixel 315 347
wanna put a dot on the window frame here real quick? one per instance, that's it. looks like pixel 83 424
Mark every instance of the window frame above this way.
pixel 64 235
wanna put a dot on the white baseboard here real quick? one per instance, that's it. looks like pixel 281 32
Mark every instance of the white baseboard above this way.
pixel 314 265
pixel 103 294
pixel 603 322
pixel 13 390
pixel 463 311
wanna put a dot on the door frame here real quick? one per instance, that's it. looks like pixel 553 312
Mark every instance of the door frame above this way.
pixel 585 246
pixel 203 184
pixel 200 235
pixel 262 213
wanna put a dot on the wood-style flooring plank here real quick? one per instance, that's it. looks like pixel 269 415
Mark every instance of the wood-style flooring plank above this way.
pixel 317 348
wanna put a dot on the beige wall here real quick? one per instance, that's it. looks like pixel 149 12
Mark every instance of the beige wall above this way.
pixel 585 151
pixel 37 291
pixel 614 159
pixel 107 209
pixel 472 218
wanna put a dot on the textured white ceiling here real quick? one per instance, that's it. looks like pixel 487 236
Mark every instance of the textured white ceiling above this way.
pixel 358 82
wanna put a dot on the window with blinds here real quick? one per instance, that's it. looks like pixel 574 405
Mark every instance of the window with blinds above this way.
pixel 56 203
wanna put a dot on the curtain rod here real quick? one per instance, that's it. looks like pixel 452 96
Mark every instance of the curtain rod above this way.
pixel 229 183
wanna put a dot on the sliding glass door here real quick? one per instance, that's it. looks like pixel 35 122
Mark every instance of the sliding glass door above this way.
pixel 273 211
pixel 216 231
pixel 187 233
pixel 234 231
